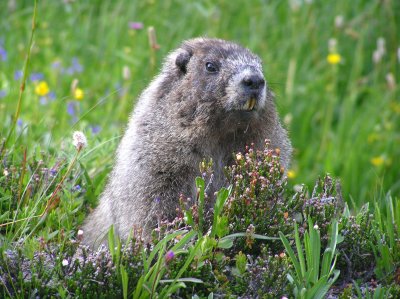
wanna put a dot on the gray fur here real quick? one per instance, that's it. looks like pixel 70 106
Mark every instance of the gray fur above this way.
pixel 186 114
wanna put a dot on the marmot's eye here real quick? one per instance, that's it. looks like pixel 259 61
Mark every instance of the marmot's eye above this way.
pixel 211 67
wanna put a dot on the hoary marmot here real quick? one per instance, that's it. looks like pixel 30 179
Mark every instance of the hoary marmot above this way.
pixel 209 101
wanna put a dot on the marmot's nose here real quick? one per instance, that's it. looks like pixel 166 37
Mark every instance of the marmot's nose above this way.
pixel 253 82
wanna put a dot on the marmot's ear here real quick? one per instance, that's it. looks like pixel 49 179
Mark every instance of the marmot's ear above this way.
pixel 182 60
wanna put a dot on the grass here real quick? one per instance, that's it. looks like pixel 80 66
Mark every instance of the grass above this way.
pixel 342 118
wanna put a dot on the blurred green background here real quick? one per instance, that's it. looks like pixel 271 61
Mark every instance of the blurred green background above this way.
pixel 333 65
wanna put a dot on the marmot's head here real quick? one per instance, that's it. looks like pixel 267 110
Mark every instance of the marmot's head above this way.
pixel 220 78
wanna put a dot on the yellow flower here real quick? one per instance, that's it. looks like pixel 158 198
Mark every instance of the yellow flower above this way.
pixel 42 89
pixel 291 174
pixel 333 58
pixel 78 94
pixel 377 161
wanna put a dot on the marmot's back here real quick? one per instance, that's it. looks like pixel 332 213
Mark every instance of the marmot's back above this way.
pixel 209 100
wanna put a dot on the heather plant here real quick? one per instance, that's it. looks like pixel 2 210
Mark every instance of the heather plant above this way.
pixel 257 203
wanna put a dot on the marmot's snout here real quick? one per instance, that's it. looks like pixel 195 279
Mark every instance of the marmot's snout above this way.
pixel 253 83
pixel 250 89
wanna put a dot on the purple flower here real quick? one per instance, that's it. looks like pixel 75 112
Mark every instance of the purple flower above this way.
pixel 95 129
pixel 56 64
pixel 157 199
pixel 77 188
pixel 51 95
pixel 136 25
pixel 71 108
pixel 43 100
pixel 76 65
pixel 36 77
pixel 3 53
pixel 19 122
pixel 18 75
pixel 3 93
pixel 169 256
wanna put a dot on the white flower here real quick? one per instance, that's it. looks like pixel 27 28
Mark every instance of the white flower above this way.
pixel 339 21
pixel 377 56
pixel 80 233
pixel 316 226
pixel 79 140
pixel 332 44
pixel 65 262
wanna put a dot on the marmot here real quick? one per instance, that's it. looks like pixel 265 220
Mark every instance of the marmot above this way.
pixel 209 101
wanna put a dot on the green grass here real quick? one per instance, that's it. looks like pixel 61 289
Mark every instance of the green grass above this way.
pixel 343 119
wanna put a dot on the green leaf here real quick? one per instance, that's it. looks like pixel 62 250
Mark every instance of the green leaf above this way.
pixel 225 244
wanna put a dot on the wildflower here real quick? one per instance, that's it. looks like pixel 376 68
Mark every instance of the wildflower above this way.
pixel 3 93
pixel 339 21
pixel 78 94
pixel 77 188
pixel 332 45
pixel 169 256
pixel 3 53
pixel 316 227
pixel 377 56
pixel 333 58
pixel 18 75
pixel 291 174
pixel 56 64
pixel 75 67
pixel 79 140
pixel 43 100
pixel 80 233
pixel 71 108
pixel 95 129
pixel 42 88
pixel 239 157
pixel 19 122
pixel 65 262
pixel 135 25
pixel 36 77
pixel 377 161
pixel 5 172
pixel 380 50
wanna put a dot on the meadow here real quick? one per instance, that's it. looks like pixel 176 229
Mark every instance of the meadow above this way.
pixel 333 65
